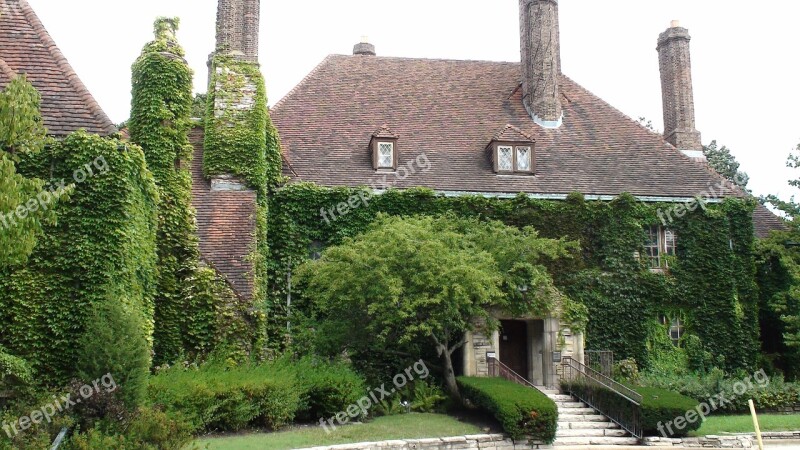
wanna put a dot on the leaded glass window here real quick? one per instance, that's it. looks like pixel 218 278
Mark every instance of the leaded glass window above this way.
pixel 505 159
pixel 386 155
pixel 524 159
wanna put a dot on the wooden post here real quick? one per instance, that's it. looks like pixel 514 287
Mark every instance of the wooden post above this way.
pixel 755 423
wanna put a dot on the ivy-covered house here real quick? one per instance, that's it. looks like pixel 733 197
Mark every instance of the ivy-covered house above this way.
pixel 99 244
pixel 667 242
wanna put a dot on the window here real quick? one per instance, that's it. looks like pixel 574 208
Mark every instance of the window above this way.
pixel 660 247
pixel 523 159
pixel 505 162
pixel 386 155
pixel 514 159
pixel 675 329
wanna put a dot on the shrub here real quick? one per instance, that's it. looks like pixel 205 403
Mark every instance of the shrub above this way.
pixel 702 387
pixel 327 387
pixel 658 405
pixel 522 411
pixel 663 406
pixel 150 429
pixel 114 343
pixel 219 398
pixel 38 436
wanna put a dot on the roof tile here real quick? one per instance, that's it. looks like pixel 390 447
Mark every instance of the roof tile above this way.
pixel 26 47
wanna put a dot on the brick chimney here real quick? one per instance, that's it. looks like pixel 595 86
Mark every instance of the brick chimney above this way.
pixel 237 28
pixel 541 61
pixel 675 61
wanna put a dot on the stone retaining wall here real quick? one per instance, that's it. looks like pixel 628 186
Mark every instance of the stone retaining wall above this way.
pixel 727 441
pixel 471 442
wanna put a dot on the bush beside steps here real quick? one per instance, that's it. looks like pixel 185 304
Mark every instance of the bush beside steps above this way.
pixel 522 411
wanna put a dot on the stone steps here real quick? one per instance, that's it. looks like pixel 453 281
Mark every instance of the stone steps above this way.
pixel 591 433
pixel 587 425
pixel 605 440
pixel 579 425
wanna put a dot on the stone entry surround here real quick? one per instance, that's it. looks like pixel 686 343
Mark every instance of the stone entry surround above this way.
pixel 554 338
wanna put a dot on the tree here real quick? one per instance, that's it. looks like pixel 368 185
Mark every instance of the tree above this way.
pixel 424 282
pixel 721 160
pixel 21 135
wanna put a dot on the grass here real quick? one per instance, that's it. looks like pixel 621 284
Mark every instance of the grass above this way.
pixel 405 426
pixel 716 425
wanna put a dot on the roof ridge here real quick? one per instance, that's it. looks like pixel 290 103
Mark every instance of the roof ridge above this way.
pixel 301 83
pixel 103 121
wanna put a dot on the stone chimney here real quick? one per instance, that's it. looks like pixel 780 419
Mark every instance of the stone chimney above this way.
pixel 237 28
pixel 364 48
pixel 541 61
pixel 675 62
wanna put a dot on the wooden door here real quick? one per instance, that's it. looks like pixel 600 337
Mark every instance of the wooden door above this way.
pixel 514 346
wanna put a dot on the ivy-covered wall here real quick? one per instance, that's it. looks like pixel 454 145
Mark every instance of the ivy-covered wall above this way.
pixel 160 120
pixel 102 247
pixel 241 141
pixel 712 281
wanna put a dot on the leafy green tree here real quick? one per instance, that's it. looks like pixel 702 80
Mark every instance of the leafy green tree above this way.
pixel 115 344
pixel 21 134
pixel 423 282
pixel 721 160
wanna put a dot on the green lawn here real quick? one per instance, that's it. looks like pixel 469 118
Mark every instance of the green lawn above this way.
pixel 744 424
pixel 405 426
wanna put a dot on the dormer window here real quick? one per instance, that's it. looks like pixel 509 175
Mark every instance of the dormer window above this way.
pixel 512 151
pixel 384 149
pixel 386 155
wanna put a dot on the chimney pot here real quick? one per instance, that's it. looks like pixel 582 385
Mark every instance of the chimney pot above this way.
pixel 364 48
pixel 675 24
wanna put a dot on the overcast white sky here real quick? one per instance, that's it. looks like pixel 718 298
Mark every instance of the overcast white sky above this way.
pixel 746 55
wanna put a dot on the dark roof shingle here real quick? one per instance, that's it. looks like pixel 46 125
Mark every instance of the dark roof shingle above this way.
pixel 451 110
pixel 26 47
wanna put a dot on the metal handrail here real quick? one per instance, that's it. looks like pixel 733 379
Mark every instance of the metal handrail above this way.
pixel 498 369
pixel 625 412
pixel 604 359
pixel 604 380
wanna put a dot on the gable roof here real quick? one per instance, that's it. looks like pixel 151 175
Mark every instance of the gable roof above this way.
pixel 451 110
pixel 765 221
pixel 510 133
pixel 26 47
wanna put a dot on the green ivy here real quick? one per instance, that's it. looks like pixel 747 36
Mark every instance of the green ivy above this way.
pixel 608 284
pixel 244 143
pixel 160 122
pixel 101 246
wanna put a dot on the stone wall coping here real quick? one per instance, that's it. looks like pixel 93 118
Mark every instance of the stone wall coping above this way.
pixel 732 440
pixel 467 442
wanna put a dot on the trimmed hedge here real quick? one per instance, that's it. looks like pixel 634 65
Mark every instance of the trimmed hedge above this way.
pixel 658 406
pixel 663 406
pixel 524 412
pixel 216 398
pixel 327 388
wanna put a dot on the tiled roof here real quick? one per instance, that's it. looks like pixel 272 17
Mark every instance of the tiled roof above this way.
pixel 765 221
pixel 226 223
pixel 451 110
pixel 26 47
pixel 510 133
